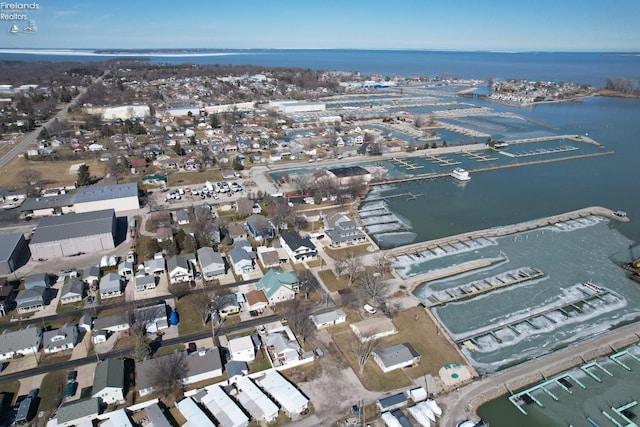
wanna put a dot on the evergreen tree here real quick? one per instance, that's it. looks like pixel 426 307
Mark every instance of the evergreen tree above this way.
pixel 84 177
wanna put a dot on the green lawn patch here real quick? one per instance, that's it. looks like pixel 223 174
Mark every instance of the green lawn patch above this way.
pixel 332 283
pixel 189 319
pixel 261 362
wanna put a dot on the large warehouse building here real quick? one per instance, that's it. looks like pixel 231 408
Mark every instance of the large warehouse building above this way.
pixel 14 252
pixel 120 197
pixel 66 235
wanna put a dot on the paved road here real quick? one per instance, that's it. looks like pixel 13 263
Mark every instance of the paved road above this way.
pixel 459 404
pixel 31 137
pixel 252 323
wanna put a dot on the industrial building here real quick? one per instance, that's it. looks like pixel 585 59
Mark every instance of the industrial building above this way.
pixel 120 197
pixel 14 252
pixel 66 235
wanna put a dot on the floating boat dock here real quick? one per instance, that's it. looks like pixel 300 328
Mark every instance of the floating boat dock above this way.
pixel 526 396
pixel 591 291
pixel 480 287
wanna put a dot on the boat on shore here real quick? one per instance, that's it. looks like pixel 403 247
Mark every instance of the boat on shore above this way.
pixel 460 174
pixel 435 408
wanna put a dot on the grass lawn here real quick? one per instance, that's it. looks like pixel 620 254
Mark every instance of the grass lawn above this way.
pixel 261 362
pixel 189 178
pixel 315 263
pixel 414 327
pixel 51 390
pixel 357 250
pixel 52 359
pixel 189 318
pixel 330 281
pixel 51 170
pixel 164 350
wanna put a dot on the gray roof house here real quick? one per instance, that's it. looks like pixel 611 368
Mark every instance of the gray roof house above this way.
pixel 341 230
pixel 111 285
pixel 260 227
pixel 78 412
pixel 299 249
pixel 35 280
pixel 91 274
pixel 154 317
pixel 72 291
pixel 395 357
pixel 23 341
pixel 125 268
pixel 155 266
pixel 329 318
pixel 29 300
pixel 246 246
pixel 180 268
pixel 182 216
pixel 211 263
pixel 201 365
pixel 143 282
pixel 241 261
pixel 61 339
pixel 108 381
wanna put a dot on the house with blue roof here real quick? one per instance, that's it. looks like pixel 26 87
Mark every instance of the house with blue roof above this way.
pixel 278 286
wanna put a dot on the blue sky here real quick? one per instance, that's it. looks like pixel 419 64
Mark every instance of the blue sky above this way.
pixel 509 25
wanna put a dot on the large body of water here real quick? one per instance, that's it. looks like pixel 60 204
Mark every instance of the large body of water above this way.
pixel 589 251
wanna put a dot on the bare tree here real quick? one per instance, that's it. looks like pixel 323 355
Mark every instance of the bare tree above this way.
pixel 363 350
pixel 381 264
pixel 307 282
pixel 204 302
pixel 373 286
pixel 350 265
pixel 298 317
pixel 169 372
pixel 29 178
pixel 179 290
pixel 302 183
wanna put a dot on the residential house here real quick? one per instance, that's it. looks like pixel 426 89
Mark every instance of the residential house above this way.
pixel 283 345
pixel 143 282
pixel 91 275
pixel 286 395
pixel 299 249
pixel 104 326
pixel 211 263
pixel 241 261
pixel 256 301
pixel 258 404
pixel 235 370
pixel 6 297
pixel 37 280
pixel 125 268
pixel 201 365
pixel 329 318
pixel 268 257
pixel 155 265
pixel 110 285
pixel 182 217
pixel 260 228
pixel 244 206
pixel 108 381
pixel 153 317
pixel 278 286
pixel 180 268
pixel 79 412
pixel 193 414
pixel 29 300
pixel 72 291
pixel 61 339
pixel 246 246
pixel 396 357
pixel 237 230
pixel 373 328
pixel 242 349
pixel 25 341
pixel 340 230
pixel 222 407
pixel 229 304
pixel 85 323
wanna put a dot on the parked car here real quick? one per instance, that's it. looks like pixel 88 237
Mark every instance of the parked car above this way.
pixel 71 376
pixel 70 389
pixel 319 353
pixel 369 309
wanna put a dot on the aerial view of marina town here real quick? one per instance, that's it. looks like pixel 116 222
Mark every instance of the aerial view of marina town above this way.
pixel 239 225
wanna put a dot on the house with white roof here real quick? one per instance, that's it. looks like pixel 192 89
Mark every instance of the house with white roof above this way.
pixel 329 318
pixel 290 399
pixel 110 285
pixel 223 408
pixel 257 404
pixel 193 414
pixel 155 266
pixel 61 339
pixel 242 349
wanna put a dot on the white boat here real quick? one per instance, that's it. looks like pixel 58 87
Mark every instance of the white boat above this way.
pixel 460 174
pixel 466 423
pixel 13 29
pixel 419 416
pixel 433 405
pixel 426 410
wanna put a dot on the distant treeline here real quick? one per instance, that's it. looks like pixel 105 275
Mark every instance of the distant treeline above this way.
pixel 623 85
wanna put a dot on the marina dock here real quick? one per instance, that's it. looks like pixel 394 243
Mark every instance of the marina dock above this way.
pixel 590 290
pixel 480 287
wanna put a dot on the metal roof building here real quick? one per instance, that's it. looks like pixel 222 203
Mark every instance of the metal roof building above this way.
pixel 290 399
pixel 120 197
pixel 223 408
pixel 13 252
pixel 66 235
pixel 193 414
pixel 255 401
